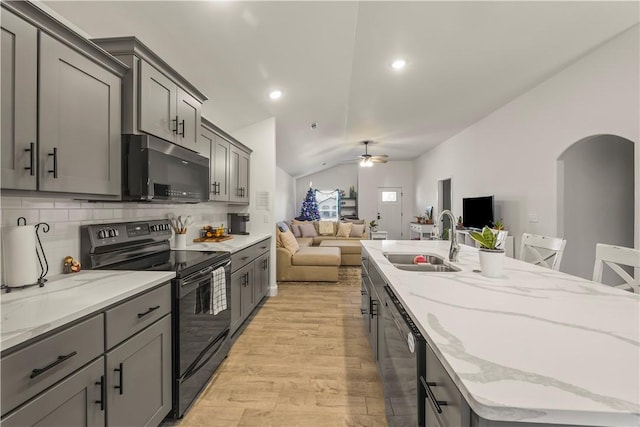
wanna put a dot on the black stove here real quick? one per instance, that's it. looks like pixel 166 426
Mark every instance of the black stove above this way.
pixel 201 301
pixel 184 263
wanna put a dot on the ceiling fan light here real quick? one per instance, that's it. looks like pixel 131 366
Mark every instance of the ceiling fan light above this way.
pixel 366 163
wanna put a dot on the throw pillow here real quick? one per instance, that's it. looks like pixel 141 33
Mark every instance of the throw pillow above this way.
pixel 296 230
pixel 307 230
pixel 282 226
pixel 326 228
pixel 289 242
pixel 344 229
pixel 357 230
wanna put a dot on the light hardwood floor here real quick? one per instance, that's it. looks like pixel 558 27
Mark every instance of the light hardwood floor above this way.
pixel 304 360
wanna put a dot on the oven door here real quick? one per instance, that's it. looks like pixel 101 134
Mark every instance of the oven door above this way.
pixel 201 338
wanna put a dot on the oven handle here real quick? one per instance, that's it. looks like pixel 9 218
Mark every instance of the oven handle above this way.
pixel 196 277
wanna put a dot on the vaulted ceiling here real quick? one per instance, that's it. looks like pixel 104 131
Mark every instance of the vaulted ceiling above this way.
pixel 332 61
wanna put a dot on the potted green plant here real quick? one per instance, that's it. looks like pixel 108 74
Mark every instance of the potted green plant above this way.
pixel 491 258
pixel 459 225
pixel 498 225
pixel 373 225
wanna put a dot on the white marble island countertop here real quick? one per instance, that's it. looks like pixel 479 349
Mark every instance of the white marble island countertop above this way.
pixel 237 243
pixel 535 345
pixel 29 313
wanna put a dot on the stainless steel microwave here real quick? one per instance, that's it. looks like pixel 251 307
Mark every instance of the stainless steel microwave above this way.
pixel 155 170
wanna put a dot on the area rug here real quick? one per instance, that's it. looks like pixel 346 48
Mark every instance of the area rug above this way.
pixel 347 276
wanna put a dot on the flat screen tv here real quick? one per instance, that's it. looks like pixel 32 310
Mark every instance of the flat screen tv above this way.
pixel 477 211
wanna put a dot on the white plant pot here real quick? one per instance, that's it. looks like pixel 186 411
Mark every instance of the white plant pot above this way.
pixel 491 262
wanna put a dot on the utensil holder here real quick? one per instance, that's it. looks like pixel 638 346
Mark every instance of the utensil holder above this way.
pixel 180 241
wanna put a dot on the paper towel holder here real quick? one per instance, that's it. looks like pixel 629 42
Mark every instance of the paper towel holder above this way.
pixel 42 258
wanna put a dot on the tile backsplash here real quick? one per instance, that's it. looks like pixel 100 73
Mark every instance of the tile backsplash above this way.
pixel 66 216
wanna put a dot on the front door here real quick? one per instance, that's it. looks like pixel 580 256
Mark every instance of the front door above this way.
pixel 390 211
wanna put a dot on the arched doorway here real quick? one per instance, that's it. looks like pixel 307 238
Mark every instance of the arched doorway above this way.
pixel 595 200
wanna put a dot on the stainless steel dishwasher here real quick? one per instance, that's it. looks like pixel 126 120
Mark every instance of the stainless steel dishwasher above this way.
pixel 402 365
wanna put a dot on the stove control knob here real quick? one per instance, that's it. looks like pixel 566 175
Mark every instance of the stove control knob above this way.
pixel 102 234
pixel 112 232
pixel 115 231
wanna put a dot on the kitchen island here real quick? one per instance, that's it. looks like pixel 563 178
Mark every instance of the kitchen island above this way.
pixel 534 346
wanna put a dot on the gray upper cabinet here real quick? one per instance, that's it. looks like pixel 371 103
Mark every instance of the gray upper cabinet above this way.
pixel 229 165
pixel 239 175
pixel 19 102
pixel 157 103
pixel 156 99
pixel 79 119
pixel 60 103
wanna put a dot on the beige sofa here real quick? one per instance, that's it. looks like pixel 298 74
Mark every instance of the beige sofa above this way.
pixel 350 247
pixel 315 258
pixel 304 263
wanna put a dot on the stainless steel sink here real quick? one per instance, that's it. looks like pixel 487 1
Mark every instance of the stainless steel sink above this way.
pixel 441 268
pixel 434 263
pixel 408 258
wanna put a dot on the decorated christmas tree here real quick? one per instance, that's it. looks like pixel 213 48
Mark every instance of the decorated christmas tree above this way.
pixel 309 209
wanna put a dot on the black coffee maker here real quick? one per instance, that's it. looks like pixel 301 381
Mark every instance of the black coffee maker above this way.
pixel 238 223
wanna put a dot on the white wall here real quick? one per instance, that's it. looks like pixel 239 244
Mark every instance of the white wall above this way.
pixel 392 174
pixel 338 177
pixel 595 181
pixel 261 138
pixel 285 196
pixel 512 153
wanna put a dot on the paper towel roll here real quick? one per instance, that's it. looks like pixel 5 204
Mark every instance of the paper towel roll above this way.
pixel 19 255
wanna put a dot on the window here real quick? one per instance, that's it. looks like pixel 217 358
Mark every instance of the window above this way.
pixel 327 204
pixel 389 196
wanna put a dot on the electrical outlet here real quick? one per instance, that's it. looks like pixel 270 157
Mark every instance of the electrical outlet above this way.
pixel 533 217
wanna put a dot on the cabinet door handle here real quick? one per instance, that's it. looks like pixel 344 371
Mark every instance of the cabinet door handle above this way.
pixel 218 188
pixel 32 153
pixel 120 371
pixel 182 124
pixel 141 315
pixel 54 171
pixel 59 360
pixel 101 383
pixel 374 306
pixel 175 129
pixel 363 292
pixel 436 403
pixel 363 311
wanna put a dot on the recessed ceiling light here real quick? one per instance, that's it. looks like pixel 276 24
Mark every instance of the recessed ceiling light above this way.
pixel 275 94
pixel 398 64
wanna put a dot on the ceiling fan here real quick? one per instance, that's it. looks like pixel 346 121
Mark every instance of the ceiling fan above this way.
pixel 367 160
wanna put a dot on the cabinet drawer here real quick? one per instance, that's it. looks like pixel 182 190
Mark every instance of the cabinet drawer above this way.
pixel 136 314
pixel 261 247
pixel 242 258
pixel 27 372
pixel 442 388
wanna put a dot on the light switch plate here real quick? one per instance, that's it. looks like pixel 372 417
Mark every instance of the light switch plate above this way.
pixel 533 217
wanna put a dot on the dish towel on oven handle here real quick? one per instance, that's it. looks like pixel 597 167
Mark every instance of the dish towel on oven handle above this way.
pixel 218 291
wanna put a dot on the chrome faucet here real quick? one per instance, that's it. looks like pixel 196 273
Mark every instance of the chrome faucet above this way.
pixel 454 248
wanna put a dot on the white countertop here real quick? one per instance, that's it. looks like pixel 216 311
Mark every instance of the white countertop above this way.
pixel 28 313
pixel 535 345
pixel 236 244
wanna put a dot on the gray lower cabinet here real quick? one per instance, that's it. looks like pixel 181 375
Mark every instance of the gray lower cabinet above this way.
pixel 84 376
pixel 60 103
pixel 249 280
pixel 79 400
pixel 261 272
pixel 138 377
pixel 241 295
